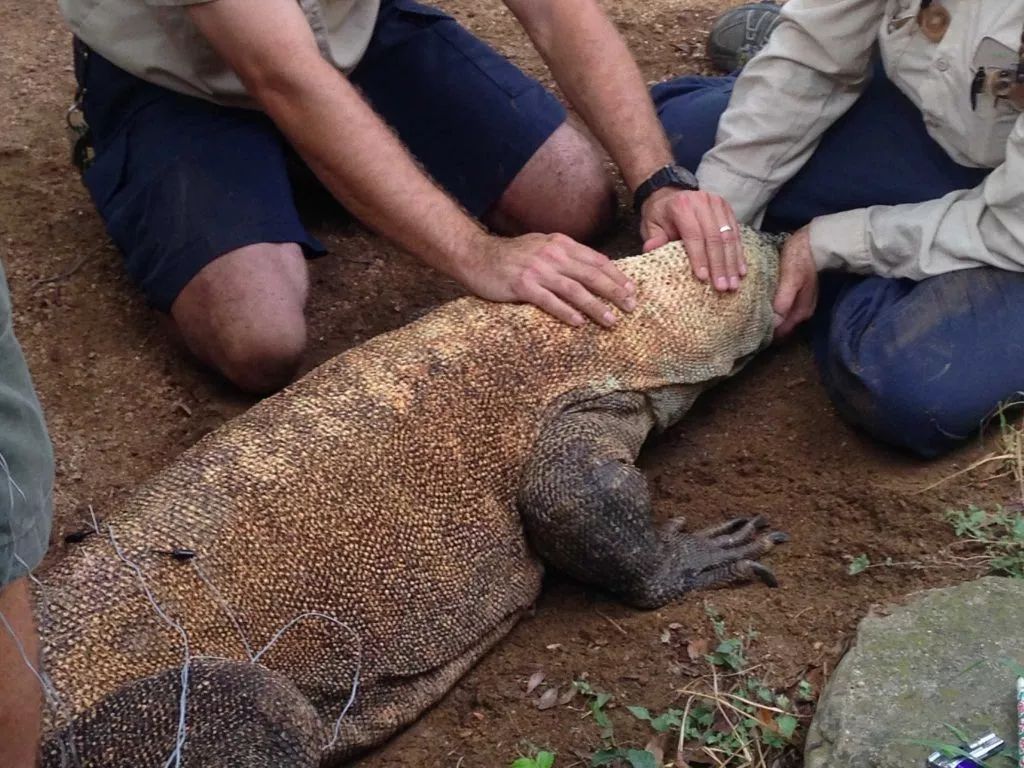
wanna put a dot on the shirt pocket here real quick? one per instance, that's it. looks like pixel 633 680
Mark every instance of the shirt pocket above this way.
pixel 897 33
pixel 993 119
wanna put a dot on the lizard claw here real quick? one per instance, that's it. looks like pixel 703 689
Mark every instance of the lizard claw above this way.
pixel 721 554
pixel 764 573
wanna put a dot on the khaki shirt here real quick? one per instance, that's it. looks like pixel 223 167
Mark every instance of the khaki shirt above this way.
pixel 156 41
pixel 814 67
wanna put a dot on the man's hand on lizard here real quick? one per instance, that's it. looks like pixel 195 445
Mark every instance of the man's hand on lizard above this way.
pixel 564 278
pixel 797 294
pixel 707 226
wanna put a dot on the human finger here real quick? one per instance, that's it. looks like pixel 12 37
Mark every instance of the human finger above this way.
pixel 600 282
pixel 562 247
pixel 732 242
pixel 544 299
pixel 711 229
pixel 692 235
pixel 577 296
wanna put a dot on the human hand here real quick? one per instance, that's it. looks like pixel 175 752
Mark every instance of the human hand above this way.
pixel 554 272
pixel 708 228
pixel 797 294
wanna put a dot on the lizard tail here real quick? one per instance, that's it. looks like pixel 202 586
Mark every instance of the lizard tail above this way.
pixel 237 714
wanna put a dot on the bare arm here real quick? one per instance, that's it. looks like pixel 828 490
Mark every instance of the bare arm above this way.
pixel 593 66
pixel 357 157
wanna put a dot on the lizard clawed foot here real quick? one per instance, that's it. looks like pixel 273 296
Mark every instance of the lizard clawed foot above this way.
pixel 716 556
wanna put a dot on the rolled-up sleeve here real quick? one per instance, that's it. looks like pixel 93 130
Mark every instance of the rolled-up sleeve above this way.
pixel 26 460
pixel 983 226
pixel 812 70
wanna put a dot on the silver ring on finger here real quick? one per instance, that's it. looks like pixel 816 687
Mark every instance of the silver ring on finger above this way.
pixel 725 228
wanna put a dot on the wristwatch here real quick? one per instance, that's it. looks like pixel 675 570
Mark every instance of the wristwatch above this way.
pixel 669 176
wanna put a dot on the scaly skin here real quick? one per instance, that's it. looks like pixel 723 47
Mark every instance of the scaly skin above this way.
pixel 389 489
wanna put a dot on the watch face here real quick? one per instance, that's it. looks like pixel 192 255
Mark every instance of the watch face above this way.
pixel 683 177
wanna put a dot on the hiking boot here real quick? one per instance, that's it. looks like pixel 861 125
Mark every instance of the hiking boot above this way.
pixel 739 33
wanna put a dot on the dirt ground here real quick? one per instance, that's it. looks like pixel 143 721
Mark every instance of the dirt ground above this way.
pixel 123 401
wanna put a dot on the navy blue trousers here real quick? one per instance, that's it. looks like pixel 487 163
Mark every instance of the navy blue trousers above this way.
pixel 919 365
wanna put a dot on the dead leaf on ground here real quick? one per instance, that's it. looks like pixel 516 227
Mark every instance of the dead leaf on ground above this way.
pixel 656 746
pixel 697 649
pixel 535 679
pixel 548 699
pixel 569 695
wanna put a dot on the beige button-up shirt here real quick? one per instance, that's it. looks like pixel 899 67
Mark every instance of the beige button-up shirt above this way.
pixel 156 41
pixel 814 67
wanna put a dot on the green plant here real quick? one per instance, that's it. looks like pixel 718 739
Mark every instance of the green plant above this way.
pixel 745 725
pixel 541 760
pixel 738 721
pixel 998 534
pixel 596 702
pixel 860 563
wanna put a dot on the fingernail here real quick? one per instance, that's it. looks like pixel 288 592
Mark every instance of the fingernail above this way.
pixel 629 305
pixel 734 282
pixel 577 320
pixel 721 283
pixel 631 286
pixel 608 318
pixel 743 270
pixel 702 275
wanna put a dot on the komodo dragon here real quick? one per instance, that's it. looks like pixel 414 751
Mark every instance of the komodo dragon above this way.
pixel 355 543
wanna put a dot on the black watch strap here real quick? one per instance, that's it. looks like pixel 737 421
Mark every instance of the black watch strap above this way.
pixel 668 176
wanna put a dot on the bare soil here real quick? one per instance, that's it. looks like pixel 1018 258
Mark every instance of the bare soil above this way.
pixel 122 401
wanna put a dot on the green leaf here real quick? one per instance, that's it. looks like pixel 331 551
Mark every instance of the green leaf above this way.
pixel 958 732
pixel 667 720
pixel 859 563
pixel 524 762
pixel 545 759
pixel 640 758
pixel 804 691
pixel 640 713
pixel 773 739
pixel 601 718
pixel 606 757
pixel 787 725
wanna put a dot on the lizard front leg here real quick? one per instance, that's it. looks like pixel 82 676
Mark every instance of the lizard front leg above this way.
pixel 587 510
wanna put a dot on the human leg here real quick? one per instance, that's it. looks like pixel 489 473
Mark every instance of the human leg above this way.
pixel 198 199
pixel 243 314
pixel 494 138
pixel 922 365
pixel 26 484
pixel 20 691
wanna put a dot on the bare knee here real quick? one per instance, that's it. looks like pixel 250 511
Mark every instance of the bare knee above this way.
pixel 267 360
pixel 565 187
pixel 243 314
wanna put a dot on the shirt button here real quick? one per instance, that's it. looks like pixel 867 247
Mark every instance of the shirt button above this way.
pixel 942 65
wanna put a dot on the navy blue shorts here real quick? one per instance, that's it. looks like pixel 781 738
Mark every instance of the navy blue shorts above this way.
pixel 180 181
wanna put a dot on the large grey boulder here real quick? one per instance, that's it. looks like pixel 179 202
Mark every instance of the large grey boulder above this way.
pixel 940 659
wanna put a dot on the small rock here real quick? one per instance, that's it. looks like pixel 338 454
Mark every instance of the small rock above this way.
pixel 940 659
